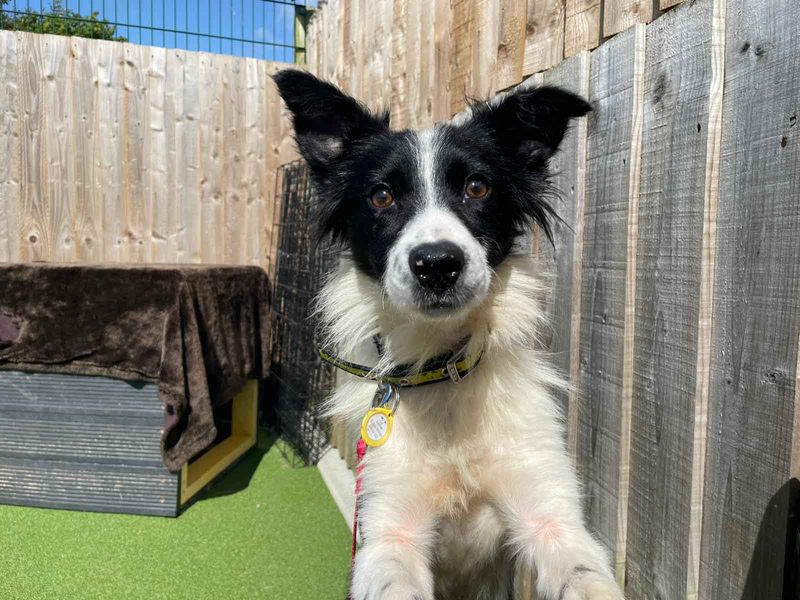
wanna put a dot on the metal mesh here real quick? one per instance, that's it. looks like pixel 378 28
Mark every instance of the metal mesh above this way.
pixel 303 378
pixel 265 29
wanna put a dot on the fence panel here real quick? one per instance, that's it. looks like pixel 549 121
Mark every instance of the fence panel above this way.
pixel 753 389
pixel 675 131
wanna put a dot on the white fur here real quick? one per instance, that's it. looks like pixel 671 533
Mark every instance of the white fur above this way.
pixel 435 222
pixel 475 475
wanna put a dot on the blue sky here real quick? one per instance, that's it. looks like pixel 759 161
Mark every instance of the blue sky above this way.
pixel 261 21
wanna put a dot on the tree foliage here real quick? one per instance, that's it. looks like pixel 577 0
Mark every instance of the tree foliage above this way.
pixel 59 21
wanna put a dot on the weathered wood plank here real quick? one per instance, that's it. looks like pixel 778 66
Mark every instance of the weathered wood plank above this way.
pixel 711 194
pixel 34 209
pixel 634 186
pixel 412 113
pixel 544 40
pixel 254 161
pixel 159 185
pixel 133 96
pixel 427 59
pixel 581 26
pixel 107 146
pixel 211 136
pixel 187 232
pixel 9 148
pixel 511 44
pixel 56 126
pixel 87 204
pixel 665 4
pixel 618 15
pixel 668 263
pixel 569 168
pixel 232 167
pixel 484 48
pixel 441 68
pixel 399 76
pixel 756 307
pixel 461 38
pixel 605 243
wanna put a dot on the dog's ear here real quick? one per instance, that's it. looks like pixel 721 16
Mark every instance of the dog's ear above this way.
pixel 325 119
pixel 532 121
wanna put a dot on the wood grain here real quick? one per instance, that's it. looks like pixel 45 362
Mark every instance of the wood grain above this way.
pixel 708 268
pixel 619 15
pixel 34 209
pixel 9 148
pixel 581 26
pixel 133 97
pixel 461 36
pixel 756 307
pixel 605 243
pixel 88 206
pixel 568 167
pixel 510 44
pixel 544 35
pixel 668 264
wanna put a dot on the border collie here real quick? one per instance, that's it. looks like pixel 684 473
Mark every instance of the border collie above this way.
pixel 474 478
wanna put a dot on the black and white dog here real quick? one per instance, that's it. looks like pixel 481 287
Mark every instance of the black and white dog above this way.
pixel 475 477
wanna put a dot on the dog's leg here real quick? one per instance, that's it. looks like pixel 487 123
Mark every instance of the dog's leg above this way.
pixel 397 525
pixel 539 501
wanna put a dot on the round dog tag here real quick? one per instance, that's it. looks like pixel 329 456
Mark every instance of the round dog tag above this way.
pixel 377 426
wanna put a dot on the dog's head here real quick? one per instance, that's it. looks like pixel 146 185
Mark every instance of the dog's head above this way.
pixel 429 213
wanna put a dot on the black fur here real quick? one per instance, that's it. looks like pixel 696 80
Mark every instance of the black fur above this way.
pixel 351 151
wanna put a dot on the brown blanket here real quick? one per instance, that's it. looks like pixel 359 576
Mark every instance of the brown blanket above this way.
pixel 199 332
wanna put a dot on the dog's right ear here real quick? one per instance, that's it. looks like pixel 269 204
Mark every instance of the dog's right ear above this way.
pixel 325 120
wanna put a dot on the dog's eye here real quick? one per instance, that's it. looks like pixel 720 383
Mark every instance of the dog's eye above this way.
pixel 476 187
pixel 381 197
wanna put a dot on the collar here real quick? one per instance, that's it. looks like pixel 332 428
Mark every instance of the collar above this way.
pixel 452 366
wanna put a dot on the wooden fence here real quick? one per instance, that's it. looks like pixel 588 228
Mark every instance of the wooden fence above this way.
pixel 122 153
pixel 676 308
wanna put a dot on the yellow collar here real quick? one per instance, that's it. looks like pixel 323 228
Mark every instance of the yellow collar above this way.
pixel 446 367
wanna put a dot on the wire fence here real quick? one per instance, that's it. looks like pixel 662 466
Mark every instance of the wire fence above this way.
pixel 303 378
pixel 264 29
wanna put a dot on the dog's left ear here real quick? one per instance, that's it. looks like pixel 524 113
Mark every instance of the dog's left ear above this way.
pixel 325 119
pixel 533 121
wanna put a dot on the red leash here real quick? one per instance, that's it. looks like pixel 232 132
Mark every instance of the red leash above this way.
pixel 361 450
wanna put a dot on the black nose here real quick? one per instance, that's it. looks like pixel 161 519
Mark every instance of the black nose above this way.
pixel 437 266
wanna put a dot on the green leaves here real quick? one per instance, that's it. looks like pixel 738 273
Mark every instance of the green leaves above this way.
pixel 60 21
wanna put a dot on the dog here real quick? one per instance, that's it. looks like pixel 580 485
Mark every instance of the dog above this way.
pixel 474 478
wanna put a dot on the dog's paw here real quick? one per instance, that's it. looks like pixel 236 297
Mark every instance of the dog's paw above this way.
pixel 591 586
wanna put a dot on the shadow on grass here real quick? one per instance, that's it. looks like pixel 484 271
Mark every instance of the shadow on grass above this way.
pixel 238 477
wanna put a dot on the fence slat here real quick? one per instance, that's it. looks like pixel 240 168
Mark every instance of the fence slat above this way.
pixel 212 157
pixel 618 15
pixel 88 205
pixel 136 237
pixel 461 36
pixel 107 146
pixel 442 50
pixel 56 161
pixel 484 48
pixel 570 180
pixel 678 75
pixel 756 307
pixel 233 144
pixel 581 26
pixel 9 148
pixel 544 43
pixel 34 210
pixel 510 44
pixel 158 194
pixel 399 77
pixel 603 291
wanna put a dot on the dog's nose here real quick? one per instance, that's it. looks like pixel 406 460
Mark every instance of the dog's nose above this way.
pixel 437 266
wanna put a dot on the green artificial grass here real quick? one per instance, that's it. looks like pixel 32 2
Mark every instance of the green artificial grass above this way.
pixel 266 530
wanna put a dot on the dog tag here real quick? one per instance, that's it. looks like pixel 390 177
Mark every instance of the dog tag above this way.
pixel 376 427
